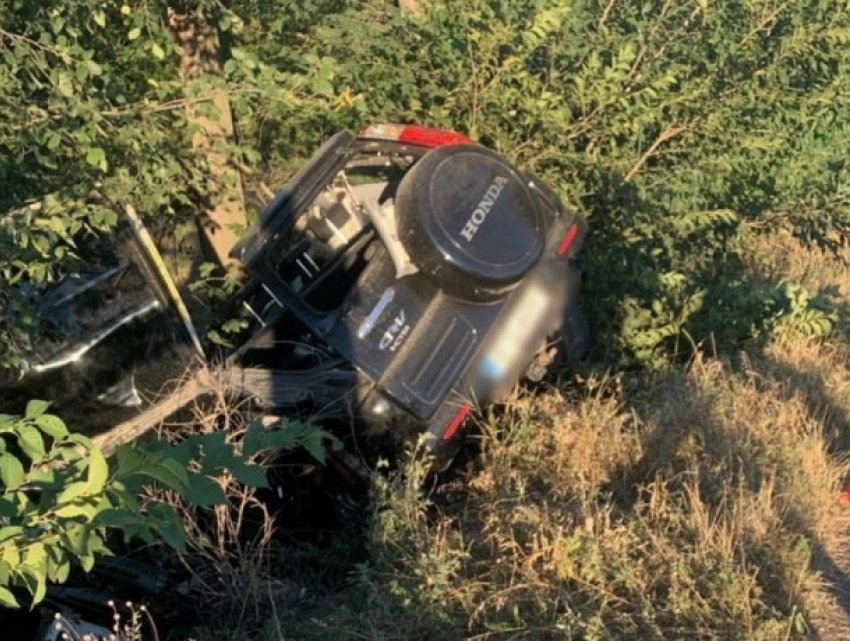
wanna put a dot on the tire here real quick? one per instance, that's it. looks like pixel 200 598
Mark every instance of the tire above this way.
pixel 573 346
pixel 575 336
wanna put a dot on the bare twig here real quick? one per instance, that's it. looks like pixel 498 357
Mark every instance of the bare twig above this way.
pixel 605 14
pixel 765 22
pixel 169 105
pixel 267 192
pixel 666 135
pixel 633 72
pixel 35 43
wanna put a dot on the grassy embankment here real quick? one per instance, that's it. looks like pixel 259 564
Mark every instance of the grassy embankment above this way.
pixel 701 503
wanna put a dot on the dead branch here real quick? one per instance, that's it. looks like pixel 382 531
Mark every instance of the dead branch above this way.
pixel 666 135
pixel 605 14
pixel 766 23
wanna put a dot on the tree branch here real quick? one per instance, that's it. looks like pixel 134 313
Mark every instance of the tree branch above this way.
pixel 605 15
pixel 666 135
pixel 35 43
pixel 765 21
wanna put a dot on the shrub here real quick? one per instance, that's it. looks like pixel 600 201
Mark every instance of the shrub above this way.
pixel 59 495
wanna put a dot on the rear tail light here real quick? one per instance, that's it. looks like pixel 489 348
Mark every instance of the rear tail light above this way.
pixel 456 421
pixel 569 237
pixel 414 135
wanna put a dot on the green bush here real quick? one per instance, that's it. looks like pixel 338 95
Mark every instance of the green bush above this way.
pixel 59 496
pixel 94 121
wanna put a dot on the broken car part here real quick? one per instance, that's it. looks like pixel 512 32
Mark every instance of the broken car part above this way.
pixel 430 265
pixel 404 277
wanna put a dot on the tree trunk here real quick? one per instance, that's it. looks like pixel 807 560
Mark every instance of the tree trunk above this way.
pixel 199 41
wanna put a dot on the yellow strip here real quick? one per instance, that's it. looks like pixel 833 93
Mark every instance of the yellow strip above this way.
pixel 144 237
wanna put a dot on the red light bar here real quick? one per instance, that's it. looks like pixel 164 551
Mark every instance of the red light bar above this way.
pixel 569 237
pixel 414 135
pixel 456 421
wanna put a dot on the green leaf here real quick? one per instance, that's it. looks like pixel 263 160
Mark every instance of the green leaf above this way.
pixel 214 337
pixel 93 68
pixel 97 544
pixel 9 532
pixel 170 525
pixel 54 141
pixel 44 477
pixel 7 599
pixel 34 568
pixel 250 475
pixel 11 556
pixel 204 491
pixel 134 33
pixel 73 510
pixel 75 538
pixel 218 453
pixel 323 87
pixel 31 442
pixel 87 562
pixel 287 437
pixel 121 496
pixel 174 535
pixel 100 18
pixel 11 471
pixel 177 470
pixel 129 459
pixel 164 476
pixel 10 507
pixel 40 585
pixel 5 573
pixel 71 492
pixel 81 439
pixel 138 531
pixel 157 51
pixel 95 156
pixel 35 555
pixel 314 443
pixel 58 571
pixel 233 326
pixel 52 426
pixel 98 472
pixel 36 409
pixel 65 86
pixel 118 518
pixel 254 438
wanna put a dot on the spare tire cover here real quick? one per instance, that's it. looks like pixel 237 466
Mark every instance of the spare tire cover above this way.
pixel 469 221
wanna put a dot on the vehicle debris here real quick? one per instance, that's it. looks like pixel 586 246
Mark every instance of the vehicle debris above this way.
pixel 402 279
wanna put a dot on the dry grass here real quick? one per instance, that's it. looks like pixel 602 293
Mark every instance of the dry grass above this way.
pixel 779 255
pixel 701 504
pixel 232 553
pixel 691 508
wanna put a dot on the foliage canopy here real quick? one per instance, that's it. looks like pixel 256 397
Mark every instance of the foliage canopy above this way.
pixel 679 128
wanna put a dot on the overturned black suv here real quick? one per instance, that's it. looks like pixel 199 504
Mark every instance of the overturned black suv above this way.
pixel 402 278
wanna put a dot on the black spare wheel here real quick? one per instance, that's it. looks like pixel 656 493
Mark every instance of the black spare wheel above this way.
pixel 469 222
